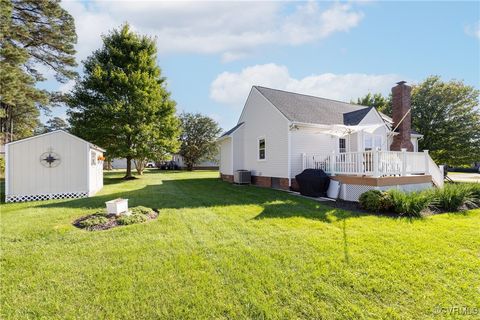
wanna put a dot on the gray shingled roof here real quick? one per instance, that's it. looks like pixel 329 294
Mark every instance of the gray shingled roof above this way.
pixel 353 118
pixel 309 109
pixel 229 132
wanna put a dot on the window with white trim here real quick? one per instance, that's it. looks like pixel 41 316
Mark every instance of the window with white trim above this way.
pixel 371 142
pixel 93 158
pixel 261 149
pixel 342 145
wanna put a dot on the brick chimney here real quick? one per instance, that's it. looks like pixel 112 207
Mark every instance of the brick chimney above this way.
pixel 401 105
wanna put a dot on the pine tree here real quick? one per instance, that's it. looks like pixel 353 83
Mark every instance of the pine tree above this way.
pixel 121 103
pixel 32 33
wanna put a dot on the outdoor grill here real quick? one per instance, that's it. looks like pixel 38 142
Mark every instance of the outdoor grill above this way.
pixel 313 182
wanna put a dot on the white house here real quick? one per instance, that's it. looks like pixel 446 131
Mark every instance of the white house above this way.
pixel 203 164
pixel 54 165
pixel 279 134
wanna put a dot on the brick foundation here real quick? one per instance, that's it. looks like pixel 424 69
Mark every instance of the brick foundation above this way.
pixel 294 185
pixel 284 184
pixel 226 177
pixel 262 181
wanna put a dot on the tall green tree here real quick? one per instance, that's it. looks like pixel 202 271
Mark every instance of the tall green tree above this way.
pixel 32 33
pixel 56 123
pixel 122 103
pixel 198 138
pixel 448 116
pixel 377 100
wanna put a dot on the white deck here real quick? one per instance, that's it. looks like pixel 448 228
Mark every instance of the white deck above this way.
pixel 375 164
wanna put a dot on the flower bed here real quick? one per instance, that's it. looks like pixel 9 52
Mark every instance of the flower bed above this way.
pixel 104 221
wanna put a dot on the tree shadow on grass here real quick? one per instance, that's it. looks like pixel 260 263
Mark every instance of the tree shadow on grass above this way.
pixel 211 192
pixel 305 209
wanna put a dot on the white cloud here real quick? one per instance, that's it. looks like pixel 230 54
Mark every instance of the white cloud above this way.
pixel 473 30
pixel 230 29
pixel 233 88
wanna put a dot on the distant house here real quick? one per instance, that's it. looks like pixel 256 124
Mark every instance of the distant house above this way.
pixel 204 164
pixel 279 134
pixel 53 165
pixel 121 163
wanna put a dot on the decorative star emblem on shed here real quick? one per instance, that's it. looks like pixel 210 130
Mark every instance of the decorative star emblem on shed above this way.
pixel 50 159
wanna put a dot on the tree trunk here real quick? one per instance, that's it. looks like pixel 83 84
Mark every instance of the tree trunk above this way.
pixel 128 175
pixel 139 165
pixel 190 166
pixel 108 164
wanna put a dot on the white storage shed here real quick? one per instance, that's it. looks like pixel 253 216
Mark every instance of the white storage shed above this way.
pixel 54 165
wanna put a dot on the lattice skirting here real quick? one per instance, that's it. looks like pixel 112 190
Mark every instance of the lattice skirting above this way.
pixel 351 192
pixel 40 197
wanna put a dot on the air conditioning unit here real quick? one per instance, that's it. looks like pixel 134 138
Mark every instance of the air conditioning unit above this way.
pixel 242 177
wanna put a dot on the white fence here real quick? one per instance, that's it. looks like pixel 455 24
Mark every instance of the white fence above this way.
pixel 375 164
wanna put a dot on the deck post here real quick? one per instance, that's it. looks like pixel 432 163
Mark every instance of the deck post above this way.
pixel 332 163
pixel 304 161
pixel 376 173
pixel 427 170
pixel 404 161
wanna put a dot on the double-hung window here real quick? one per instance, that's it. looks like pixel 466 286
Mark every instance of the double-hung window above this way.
pixel 372 142
pixel 342 145
pixel 261 149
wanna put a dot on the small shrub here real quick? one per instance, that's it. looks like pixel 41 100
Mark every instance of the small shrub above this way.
pixel 141 210
pixel 410 204
pixel 2 165
pixel 452 197
pixel 131 219
pixel 475 189
pixel 375 201
pixel 93 220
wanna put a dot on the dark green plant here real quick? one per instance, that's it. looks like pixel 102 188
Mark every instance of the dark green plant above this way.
pixel 93 220
pixel 131 219
pixel 410 204
pixel 375 201
pixel 452 197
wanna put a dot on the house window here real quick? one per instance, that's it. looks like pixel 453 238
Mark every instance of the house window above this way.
pixel 372 142
pixel 342 145
pixel 93 158
pixel 261 149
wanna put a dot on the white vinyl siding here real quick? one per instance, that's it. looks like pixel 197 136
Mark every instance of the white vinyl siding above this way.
pixel 262 119
pixel 226 156
pixel 309 141
pixel 238 147
pixel 380 134
pixel 74 173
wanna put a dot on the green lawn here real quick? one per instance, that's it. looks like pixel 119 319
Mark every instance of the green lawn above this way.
pixel 223 251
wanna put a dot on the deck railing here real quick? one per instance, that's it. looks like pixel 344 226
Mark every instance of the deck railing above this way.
pixel 375 164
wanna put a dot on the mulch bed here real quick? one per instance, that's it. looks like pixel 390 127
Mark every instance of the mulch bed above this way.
pixel 111 223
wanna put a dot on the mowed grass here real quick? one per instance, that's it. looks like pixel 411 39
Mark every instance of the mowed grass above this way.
pixel 221 251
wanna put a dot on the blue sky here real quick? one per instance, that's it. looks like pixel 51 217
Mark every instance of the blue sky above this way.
pixel 213 52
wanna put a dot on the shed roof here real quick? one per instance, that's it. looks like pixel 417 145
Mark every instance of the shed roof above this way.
pixel 91 145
